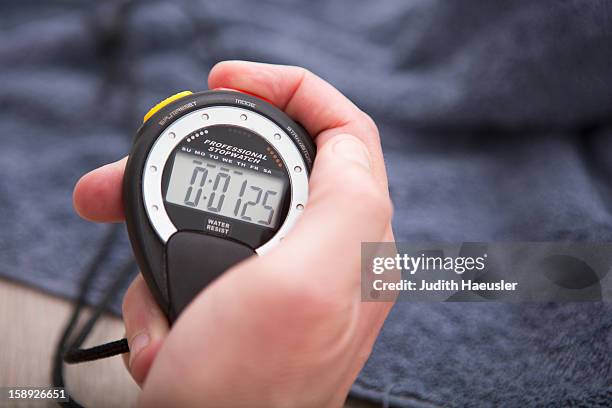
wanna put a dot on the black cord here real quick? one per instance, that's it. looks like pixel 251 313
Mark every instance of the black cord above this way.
pixel 70 351
pixel 98 352
pixel 120 281
pixel 58 367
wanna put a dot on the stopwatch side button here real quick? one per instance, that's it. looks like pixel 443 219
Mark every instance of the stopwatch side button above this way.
pixel 165 102
pixel 194 260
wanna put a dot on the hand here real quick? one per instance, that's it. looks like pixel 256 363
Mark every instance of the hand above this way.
pixel 287 328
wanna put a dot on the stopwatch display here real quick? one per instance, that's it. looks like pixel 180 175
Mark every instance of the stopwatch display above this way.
pixel 219 181
pixel 225 190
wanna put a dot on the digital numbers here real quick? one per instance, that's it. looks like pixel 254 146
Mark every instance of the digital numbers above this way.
pixel 268 207
pixel 250 203
pixel 196 171
pixel 230 188
pixel 221 175
pixel 239 200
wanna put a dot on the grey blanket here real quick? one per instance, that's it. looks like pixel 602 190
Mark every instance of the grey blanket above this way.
pixel 496 123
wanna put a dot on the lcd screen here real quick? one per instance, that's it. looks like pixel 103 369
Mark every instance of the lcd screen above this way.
pixel 226 190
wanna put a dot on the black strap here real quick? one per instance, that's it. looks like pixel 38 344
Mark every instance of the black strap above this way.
pixel 95 353
pixel 68 349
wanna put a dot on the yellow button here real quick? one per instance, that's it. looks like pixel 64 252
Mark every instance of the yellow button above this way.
pixel 163 103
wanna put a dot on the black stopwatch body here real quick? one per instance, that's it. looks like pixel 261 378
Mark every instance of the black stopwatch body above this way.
pixel 212 178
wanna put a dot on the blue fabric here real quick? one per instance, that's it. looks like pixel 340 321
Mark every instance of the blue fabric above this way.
pixel 496 124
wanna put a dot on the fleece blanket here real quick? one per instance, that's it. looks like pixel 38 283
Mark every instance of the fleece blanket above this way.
pixel 496 124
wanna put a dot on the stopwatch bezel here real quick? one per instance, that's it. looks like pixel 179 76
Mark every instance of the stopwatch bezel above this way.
pixel 173 135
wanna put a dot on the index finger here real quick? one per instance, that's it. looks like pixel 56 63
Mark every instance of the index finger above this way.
pixel 323 110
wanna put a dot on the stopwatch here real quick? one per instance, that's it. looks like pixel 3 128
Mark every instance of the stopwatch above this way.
pixel 212 178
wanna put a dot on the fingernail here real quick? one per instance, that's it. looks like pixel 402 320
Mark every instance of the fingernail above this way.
pixel 137 344
pixel 352 149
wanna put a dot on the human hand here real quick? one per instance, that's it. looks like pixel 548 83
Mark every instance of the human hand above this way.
pixel 287 328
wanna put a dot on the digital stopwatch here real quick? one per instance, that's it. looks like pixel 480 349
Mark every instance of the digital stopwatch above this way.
pixel 212 178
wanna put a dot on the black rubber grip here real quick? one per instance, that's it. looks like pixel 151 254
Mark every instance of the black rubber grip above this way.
pixel 194 261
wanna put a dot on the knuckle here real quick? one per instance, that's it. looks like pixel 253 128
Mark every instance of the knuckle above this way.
pixel 370 123
pixel 370 126
pixel 302 73
pixel 305 72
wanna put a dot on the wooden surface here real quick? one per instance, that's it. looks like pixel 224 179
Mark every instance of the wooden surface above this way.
pixel 31 323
